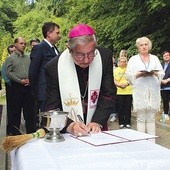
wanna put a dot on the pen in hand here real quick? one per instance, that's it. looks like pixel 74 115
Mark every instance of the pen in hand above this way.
pixel 81 120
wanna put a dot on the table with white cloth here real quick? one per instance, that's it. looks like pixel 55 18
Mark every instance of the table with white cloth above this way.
pixel 75 154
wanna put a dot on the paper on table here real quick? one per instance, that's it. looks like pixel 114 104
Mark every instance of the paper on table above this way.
pixel 130 134
pixel 100 139
pixel 114 137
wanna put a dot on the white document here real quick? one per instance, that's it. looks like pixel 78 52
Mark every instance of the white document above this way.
pixel 99 139
pixel 114 137
pixel 130 134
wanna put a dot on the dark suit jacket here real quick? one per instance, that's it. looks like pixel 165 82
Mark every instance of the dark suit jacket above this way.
pixel 167 75
pixel 107 95
pixel 40 55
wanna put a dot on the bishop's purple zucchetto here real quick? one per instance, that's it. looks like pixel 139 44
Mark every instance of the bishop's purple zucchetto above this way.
pixel 79 30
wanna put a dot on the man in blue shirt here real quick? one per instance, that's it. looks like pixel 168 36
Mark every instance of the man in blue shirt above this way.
pixel 11 49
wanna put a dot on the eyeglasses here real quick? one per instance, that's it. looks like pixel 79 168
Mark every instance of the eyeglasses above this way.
pixel 81 56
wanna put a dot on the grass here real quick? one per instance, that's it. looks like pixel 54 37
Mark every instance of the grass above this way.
pixel 2 102
pixel 2 99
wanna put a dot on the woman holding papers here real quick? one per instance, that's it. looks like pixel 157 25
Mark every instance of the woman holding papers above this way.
pixel 144 71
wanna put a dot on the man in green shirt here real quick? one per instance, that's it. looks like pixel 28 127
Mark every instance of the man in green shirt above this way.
pixel 17 66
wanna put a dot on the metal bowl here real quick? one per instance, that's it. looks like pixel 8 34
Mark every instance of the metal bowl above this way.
pixel 54 121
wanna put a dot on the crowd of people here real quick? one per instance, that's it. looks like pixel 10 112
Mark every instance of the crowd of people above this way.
pixel 85 80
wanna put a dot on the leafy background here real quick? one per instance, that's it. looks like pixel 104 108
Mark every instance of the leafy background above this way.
pixel 117 23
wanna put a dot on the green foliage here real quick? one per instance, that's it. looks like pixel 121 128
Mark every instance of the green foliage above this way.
pixel 5 41
pixel 117 23
pixel 2 99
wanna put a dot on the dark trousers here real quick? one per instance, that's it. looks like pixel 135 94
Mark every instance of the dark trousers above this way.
pixel 165 100
pixel 124 104
pixel 8 97
pixel 39 107
pixel 36 110
pixel 22 100
pixel 42 120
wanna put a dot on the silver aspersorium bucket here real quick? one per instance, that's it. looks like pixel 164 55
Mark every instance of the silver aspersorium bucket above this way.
pixel 54 121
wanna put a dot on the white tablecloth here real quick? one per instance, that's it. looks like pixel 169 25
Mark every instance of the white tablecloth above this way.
pixel 73 154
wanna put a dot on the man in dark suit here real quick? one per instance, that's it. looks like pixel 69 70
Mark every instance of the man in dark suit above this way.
pixel 165 84
pixel 40 55
pixel 81 82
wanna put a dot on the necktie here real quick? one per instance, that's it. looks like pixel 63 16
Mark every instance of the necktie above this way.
pixel 55 51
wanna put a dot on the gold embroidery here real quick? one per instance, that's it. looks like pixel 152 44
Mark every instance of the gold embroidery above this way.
pixel 71 101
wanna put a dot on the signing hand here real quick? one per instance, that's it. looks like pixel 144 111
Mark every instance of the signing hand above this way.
pixel 78 129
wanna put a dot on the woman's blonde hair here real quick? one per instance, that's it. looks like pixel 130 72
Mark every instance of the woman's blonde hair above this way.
pixel 123 53
pixel 144 39
pixel 120 58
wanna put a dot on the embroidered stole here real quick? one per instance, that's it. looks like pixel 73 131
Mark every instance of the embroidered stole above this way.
pixel 70 90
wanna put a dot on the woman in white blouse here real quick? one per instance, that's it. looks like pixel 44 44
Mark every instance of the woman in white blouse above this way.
pixel 144 71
